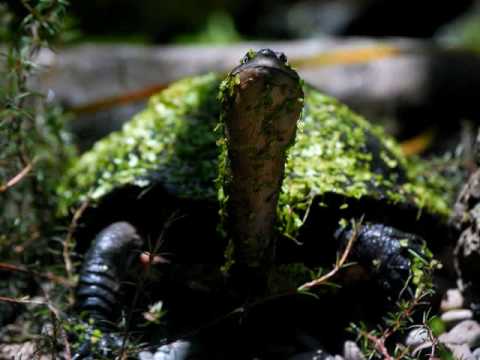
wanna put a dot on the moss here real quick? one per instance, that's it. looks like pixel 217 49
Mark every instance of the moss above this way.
pixel 169 142
pixel 173 142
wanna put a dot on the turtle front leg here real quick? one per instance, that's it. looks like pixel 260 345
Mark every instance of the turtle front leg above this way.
pixel 385 253
pixel 104 270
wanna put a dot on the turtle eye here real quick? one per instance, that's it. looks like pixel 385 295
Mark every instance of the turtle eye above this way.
pixel 244 59
pixel 282 57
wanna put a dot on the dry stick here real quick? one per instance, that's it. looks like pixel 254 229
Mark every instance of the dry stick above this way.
pixel 48 275
pixel 17 178
pixel 338 265
pixel 21 301
pixel 434 342
pixel 69 239
pixel 56 319
pixel 53 310
pixel 56 314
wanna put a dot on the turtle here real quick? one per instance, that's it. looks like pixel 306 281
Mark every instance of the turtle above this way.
pixel 251 180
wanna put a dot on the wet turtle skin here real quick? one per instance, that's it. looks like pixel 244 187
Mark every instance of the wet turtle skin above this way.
pixel 172 159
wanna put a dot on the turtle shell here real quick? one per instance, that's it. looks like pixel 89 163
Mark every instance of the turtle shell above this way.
pixel 172 145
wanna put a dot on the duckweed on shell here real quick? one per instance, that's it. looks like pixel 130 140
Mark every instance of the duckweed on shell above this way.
pixel 172 143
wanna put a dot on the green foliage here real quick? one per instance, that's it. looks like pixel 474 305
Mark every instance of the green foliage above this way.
pixel 219 29
pixel 377 343
pixel 33 144
pixel 335 152
pixel 464 32
pixel 34 150
pixel 155 147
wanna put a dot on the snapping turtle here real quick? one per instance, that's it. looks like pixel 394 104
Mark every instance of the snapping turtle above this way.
pixel 251 185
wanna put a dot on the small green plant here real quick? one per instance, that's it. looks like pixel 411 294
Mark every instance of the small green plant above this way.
pixel 382 342
pixel 33 152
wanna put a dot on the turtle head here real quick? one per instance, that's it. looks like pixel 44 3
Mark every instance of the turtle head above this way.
pixel 262 100
pixel 266 60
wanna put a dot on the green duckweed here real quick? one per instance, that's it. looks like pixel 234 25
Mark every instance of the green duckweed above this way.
pixel 173 142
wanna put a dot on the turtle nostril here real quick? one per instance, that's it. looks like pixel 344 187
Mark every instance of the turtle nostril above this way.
pixel 267 52
pixel 280 56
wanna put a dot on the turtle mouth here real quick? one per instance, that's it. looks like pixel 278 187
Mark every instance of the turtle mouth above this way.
pixel 266 61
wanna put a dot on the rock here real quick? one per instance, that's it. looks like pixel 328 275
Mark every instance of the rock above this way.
pixel 455 316
pixel 476 354
pixel 316 355
pixel 145 355
pixel 180 349
pixel 351 351
pixel 465 333
pixel 401 76
pixel 452 300
pixel 466 217
pixel 461 352
pixel 417 337
pixel 26 350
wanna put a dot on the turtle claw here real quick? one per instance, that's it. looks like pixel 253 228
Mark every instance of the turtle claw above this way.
pixel 384 252
pixel 100 286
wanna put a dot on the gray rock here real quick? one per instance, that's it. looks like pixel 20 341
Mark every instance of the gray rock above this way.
pixel 316 355
pixel 417 337
pixel 145 355
pixel 465 333
pixel 461 352
pixel 86 78
pixel 351 351
pixel 453 317
pixel 177 350
pixel 452 300
pixel 476 354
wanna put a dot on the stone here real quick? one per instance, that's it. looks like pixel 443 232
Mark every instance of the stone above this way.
pixel 26 350
pixel 351 351
pixel 178 349
pixel 145 355
pixel 453 317
pixel 476 354
pixel 452 300
pixel 467 332
pixel 417 337
pixel 316 355
pixel 461 352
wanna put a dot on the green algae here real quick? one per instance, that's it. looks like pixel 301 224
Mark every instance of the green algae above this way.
pixel 170 142
pixel 173 143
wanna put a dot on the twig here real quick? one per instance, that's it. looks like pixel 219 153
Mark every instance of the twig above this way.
pixel 21 301
pixel 379 344
pixel 48 275
pixel 406 314
pixel 17 178
pixel 56 319
pixel 69 240
pixel 434 342
pixel 338 265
